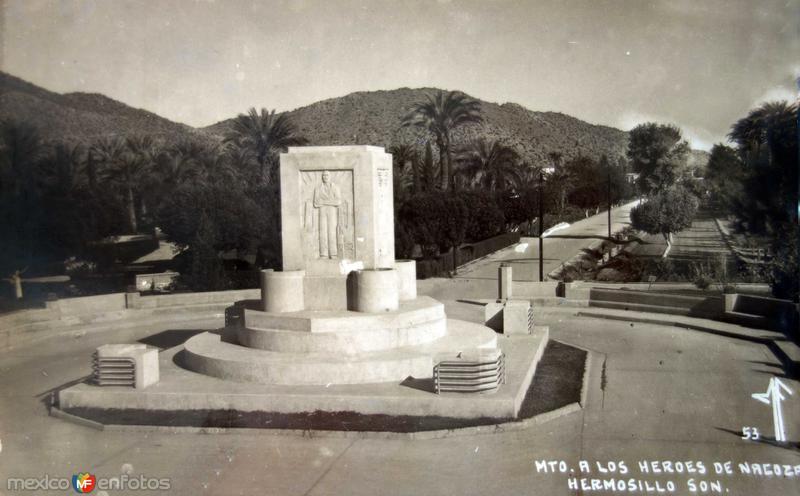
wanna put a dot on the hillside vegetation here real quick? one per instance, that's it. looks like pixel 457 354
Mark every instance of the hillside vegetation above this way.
pixel 374 118
pixel 366 117
pixel 79 116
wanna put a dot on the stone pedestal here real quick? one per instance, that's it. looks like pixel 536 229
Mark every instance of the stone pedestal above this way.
pixel 282 291
pixel 336 206
pixel 376 291
pixel 406 279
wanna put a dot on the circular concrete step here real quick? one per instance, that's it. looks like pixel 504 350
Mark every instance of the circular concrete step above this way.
pixel 416 322
pixel 207 354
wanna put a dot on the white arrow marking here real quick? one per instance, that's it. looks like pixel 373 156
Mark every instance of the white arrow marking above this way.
pixel 774 395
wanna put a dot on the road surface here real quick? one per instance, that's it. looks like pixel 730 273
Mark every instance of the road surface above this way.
pixel 558 247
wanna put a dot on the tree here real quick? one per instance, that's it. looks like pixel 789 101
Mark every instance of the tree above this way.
pixel 419 214
pixel 658 153
pixel 767 140
pixel 428 171
pixel 491 165
pixel 123 165
pixel 666 212
pixel 484 217
pixel 405 168
pixel 265 135
pixel 440 114
pixel 589 180
pixel 21 151
pixel 208 218
pixel 559 182
pixel 177 164
pixel 724 175
pixel 455 220
pixel 64 169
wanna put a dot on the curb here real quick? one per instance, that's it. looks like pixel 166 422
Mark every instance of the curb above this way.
pixel 61 414
pixel 587 366
pixel 311 433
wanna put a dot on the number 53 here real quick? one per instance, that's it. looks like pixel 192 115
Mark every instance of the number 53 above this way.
pixel 751 433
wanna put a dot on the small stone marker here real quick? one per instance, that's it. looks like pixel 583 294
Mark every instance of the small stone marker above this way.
pixel 505 279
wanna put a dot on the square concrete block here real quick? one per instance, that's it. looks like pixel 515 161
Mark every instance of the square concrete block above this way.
pixel 517 317
pixel 493 316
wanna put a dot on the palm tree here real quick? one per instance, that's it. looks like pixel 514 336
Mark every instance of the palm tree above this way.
pixel 560 179
pixel 178 163
pixel 240 160
pixel 65 168
pixel 406 167
pixel 441 114
pixel 490 165
pixel 770 125
pixel 124 163
pixel 265 135
pixel 214 165
pixel 20 152
pixel 428 170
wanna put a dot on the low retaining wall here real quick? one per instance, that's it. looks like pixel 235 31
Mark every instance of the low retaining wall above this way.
pixel 137 301
pixel 762 312
pixel 97 312
pixel 443 264
pixel 710 307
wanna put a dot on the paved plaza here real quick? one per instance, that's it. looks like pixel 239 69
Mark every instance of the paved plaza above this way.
pixel 656 393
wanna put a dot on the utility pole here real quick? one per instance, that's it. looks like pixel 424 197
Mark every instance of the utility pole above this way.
pixel 609 200
pixel 541 226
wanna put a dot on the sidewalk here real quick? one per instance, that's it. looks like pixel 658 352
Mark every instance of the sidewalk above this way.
pixel 558 248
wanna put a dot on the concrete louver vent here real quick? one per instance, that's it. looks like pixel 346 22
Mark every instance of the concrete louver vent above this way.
pixel 127 365
pixel 530 319
pixel 474 373
pixel 113 371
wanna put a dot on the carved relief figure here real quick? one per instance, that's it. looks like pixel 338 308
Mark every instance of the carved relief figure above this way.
pixel 328 198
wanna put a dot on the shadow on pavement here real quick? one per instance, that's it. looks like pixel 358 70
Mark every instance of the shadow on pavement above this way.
pixel 170 338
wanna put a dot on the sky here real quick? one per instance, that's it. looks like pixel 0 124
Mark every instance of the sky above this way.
pixel 699 64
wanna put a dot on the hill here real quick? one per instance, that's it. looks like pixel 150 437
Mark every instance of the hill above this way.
pixel 79 116
pixel 374 118
pixel 370 117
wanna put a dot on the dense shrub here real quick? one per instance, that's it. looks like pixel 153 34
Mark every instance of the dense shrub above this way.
pixel 484 217
pixel 214 218
pixel 422 213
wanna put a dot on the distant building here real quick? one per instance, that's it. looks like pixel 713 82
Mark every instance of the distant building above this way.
pixel 632 177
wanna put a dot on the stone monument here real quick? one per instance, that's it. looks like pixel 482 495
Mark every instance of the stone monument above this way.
pixel 342 310
pixel 341 327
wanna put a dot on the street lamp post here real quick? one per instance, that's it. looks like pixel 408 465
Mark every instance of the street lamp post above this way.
pixel 541 226
pixel 609 200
